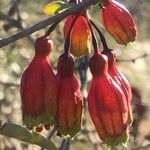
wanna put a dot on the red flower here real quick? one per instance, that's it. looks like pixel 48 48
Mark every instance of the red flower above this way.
pixel 119 22
pixel 38 88
pixel 80 37
pixel 107 104
pixel 69 98
pixel 120 79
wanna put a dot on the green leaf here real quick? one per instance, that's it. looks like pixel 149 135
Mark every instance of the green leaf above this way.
pixel 56 7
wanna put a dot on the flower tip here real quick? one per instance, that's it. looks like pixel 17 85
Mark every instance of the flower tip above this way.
pixel 65 65
pixel 132 43
pixel 47 126
pixel 111 142
pixel 43 46
pixel 39 129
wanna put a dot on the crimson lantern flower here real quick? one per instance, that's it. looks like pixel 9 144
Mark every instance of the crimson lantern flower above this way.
pixel 107 104
pixel 39 88
pixel 69 98
pixel 119 22
pixel 80 35
pixel 120 79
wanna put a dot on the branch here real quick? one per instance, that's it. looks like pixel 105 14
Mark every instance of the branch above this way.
pixel 20 133
pixel 14 23
pixel 133 60
pixel 65 144
pixel 141 147
pixel 9 83
pixel 17 22
pixel 73 9
pixel 7 18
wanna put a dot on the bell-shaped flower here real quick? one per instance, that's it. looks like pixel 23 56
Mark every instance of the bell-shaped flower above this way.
pixel 119 22
pixel 69 98
pixel 120 79
pixel 107 104
pixel 39 88
pixel 80 35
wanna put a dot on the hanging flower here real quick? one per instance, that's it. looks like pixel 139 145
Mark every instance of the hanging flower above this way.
pixel 119 22
pixel 69 111
pixel 107 104
pixel 120 79
pixel 39 88
pixel 81 35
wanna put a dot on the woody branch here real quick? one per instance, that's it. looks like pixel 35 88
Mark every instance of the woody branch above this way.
pixel 42 24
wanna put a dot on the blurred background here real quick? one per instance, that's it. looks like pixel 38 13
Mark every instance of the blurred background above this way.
pixel 133 62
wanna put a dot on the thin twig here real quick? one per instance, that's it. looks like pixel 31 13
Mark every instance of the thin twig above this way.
pixel 65 144
pixel 49 21
pixel 9 83
pixel 15 23
pixel 141 147
pixel 133 60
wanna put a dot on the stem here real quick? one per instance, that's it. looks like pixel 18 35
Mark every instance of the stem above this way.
pixel 52 27
pixel 103 40
pixel 65 144
pixel 94 40
pixel 68 38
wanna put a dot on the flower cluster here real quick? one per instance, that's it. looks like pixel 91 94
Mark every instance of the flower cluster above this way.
pixel 49 99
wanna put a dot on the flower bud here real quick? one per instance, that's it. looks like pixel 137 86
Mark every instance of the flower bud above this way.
pixel 39 88
pixel 69 98
pixel 43 46
pixel 80 35
pixel 119 22
pixel 120 79
pixel 107 104
pixel 65 65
